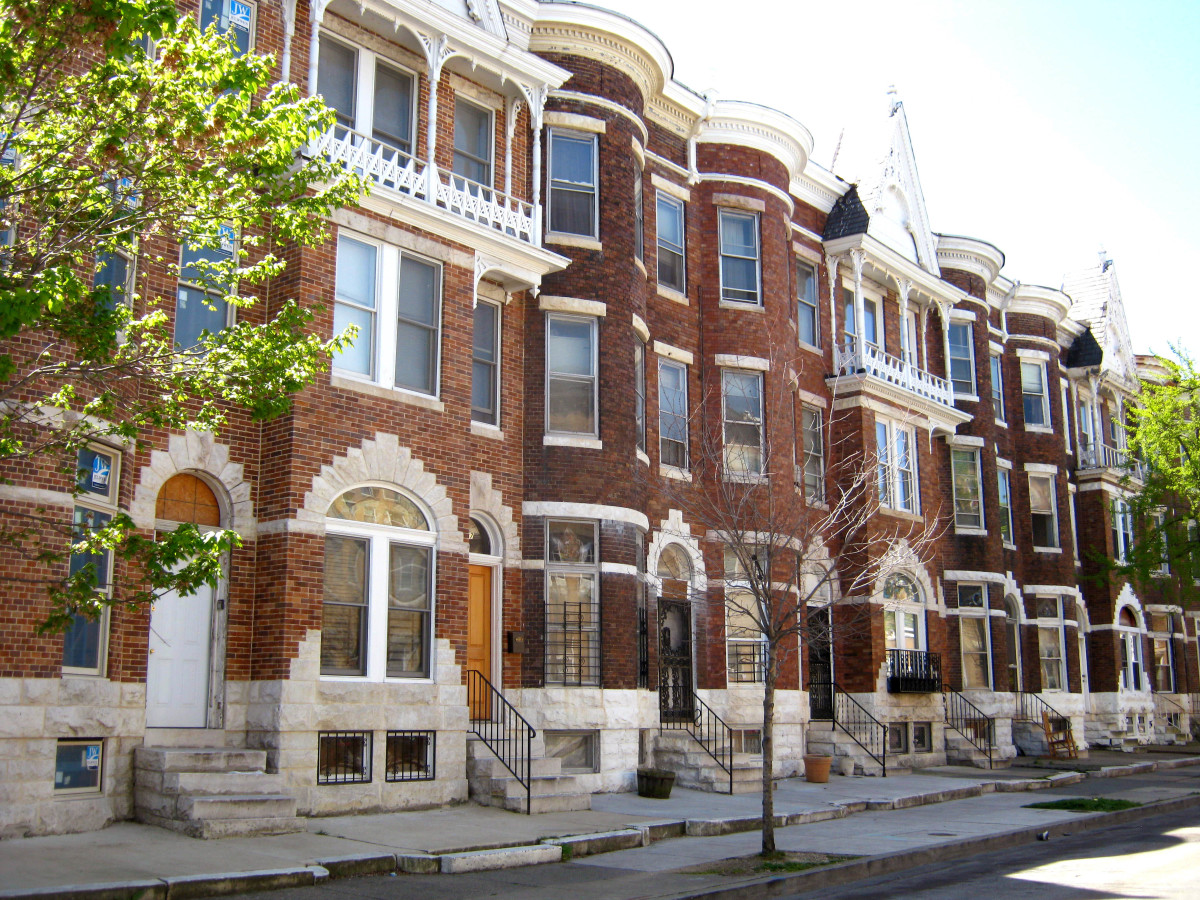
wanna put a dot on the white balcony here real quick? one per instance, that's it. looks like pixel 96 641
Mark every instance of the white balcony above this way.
pixel 396 172
pixel 894 371
pixel 1104 456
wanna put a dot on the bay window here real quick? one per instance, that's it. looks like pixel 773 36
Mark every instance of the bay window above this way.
pixel 968 493
pixel 997 387
pixel 200 301
pixel 1004 503
pixel 813 436
pixel 573 180
pixel 472 159
pixel 639 392
pixel 1034 395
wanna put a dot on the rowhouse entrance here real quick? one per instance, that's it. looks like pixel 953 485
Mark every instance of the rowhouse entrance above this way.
pixel 820 664
pixel 479 632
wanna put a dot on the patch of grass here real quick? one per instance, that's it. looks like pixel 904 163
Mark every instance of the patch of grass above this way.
pixel 1085 804
pixel 768 865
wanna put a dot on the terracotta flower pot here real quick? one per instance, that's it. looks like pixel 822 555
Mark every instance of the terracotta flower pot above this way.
pixel 816 768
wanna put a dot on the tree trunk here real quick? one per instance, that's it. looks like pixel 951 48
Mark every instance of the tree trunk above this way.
pixel 768 753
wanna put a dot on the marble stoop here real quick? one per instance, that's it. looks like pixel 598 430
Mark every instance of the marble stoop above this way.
pixel 960 751
pixel 211 792
pixel 823 737
pixel 490 783
pixel 694 767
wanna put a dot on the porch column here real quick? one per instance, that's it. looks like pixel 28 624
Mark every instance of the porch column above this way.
pixel 831 274
pixel 944 310
pixel 535 96
pixel 511 113
pixel 924 326
pixel 903 288
pixel 316 13
pixel 1070 417
pixel 857 257
pixel 436 54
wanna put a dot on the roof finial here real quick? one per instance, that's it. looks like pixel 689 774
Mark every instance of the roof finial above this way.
pixel 837 150
pixel 1105 262
pixel 893 100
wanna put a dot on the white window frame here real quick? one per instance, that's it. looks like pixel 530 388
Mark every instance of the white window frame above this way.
pixel 1005 506
pixel 805 307
pixel 975 614
pixel 494 364
pixel 1087 428
pixel 958 456
pixel 667 414
pixel 1012 635
pixel 639 216
pixel 679 210
pixel 88 790
pixel 740 599
pixel 969 328
pixel 1066 404
pixel 593 189
pixel 1122 529
pixel 1046 627
pixel 380 538
pixel 490 161
pixel 639 391
pixel 1052 512
pixel 889 471
pixel 1045 424
pixel 388 266
pixel 812 436
pixel 593 377
pixel 1133 660
pixel 722 213
pixel 741 470
pixel 366 64
pixel 997 364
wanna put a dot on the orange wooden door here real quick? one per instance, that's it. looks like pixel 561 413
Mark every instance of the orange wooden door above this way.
pixel 479 631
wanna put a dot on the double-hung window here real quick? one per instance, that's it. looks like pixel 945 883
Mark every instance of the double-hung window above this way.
pixel 745 643
pixel 962 358
pixel 997 387
pixel 344 73
pixel 114 270
pixel 639 217
pixel 974 636
pixel 672 414
pixel 741 395
pixel 968 492
pixel 1043 510
pixel 234 17
pixel 377 617
pixel 1004 502
pixel 1087 431
pixel 1034 395
pixel 395 300
pixel 670 225
pixel 639 391
pixel 85 642
pixel 201 304
pixel 472 157
pixel 485 364
pixel 813 436
pixel 1163 650
pixel 895 450
pixel 1122 529
pixel 571 375
pixel 808 320
pixel 572 603
pixel 872 322
pixel 739 256
pixel 573 180
pixel 1050 644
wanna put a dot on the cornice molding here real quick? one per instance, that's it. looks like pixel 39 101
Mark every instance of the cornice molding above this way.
pixel 1034 299
pixel 969 255
pixel 760 128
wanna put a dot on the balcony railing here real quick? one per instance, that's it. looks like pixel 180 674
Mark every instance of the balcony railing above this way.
pixel 914 672
pixel 1105 456
pixel 394 170
pixel 893 370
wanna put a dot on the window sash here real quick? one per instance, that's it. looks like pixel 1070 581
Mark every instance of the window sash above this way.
pixel 573 180
pixel 739 256
pixel 418 325
pixel 485 364
pixel 236 16
pixel 1050 656
pixel 570 379
pixel 473 130
pixel 808 322
pixel 998 388
pixel 1004 479
pixel 902 630
pixel 968 494
pixel 1033 393
pixel 745 643
pixel 672 414
pixel 670 224
pixel 639 391
pixel 393 110
pixel 962 358
pixel 741 396
pixel 976 653
pixel 639 216
pixel 572 605
pixel 1043 510
pixel 814 454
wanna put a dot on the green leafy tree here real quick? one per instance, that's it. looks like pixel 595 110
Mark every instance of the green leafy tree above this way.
pixel 1163 507
pixel 124 131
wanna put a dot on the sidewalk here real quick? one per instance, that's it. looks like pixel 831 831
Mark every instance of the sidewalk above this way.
pixel 850 815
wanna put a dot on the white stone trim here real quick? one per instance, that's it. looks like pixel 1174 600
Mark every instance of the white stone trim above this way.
pixel 964 440
pixel 673 295
pixel 556 509
pixel 640 328
pixel 673 530
pixel 612 568
pixel 804 232
pixel 967 575
pixel 385 461
pixel 573 305
pixel 962 315
pixel 488 500
pixel 675 353
pixel 575 122
pixel 1026 353
pixel 1003 463
pixel 812 399
pixel 38 496
pixel 566 440
pixel 573 240
pixel 678 191
pixel 484 430
pixel 198 453
pixel 1041 468
pixel 604 103
pixel 809 255
pixel 737 201
pixel 734 361
pixel 753 183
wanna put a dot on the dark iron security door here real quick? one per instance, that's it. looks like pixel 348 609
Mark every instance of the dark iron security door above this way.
pixel 820 664
pixel 675 656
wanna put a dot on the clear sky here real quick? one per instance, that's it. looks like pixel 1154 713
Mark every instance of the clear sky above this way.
pixel 1051 128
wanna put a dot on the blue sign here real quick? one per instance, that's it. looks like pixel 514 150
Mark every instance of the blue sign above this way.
pixel 92 760
pixel 227 237
pixel 101 470
pixel 239 15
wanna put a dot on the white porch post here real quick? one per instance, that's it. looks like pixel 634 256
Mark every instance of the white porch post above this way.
pixel 436 54
pixel 317 12
pixel 857 258
pixel 924 342
pixel 831 274
pixel 944 309
pixel 903 288
pixel 535 96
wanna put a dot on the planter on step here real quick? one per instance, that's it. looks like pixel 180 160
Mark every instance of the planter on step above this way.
pixel 655 783
pixel 816 768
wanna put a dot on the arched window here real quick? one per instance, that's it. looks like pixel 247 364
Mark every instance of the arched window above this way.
pixel 186 498
pixel 903 616
pixel 674 565
pixel 479 540
pixel 378 609
pixel 1131 650
pixel 1012 627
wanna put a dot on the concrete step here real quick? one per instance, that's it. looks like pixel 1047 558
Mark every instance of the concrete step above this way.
pixel 549 804
pixel 490 767
pixel 237 806
pixel 199 759
pixel 209 782
pixel 214 829
pixel 189 737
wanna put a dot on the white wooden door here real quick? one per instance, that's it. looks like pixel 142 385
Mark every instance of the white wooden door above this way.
pixel 177 672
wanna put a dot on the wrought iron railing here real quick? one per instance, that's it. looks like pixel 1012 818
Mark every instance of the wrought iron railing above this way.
pixel 709 731
pixel 1167 709
pixel 913 672
pixel 893 370
pixel 502 728
pixel 864 729
pixel 391 168
pixel 1029 708
pixel 1106 456
pixel 971 722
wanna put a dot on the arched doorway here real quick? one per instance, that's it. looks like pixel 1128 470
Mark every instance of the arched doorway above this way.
pixel 675 681
pixel 483 609
pixel 184 673
pixel 1012 649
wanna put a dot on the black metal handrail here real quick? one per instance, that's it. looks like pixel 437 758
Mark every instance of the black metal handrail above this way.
pixel 503 729
pixel 864 729
pixel 970 721
pixel 913 672
pixel 1031 706
pixel 709 731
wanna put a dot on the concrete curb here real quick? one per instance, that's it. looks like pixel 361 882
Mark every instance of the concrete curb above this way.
pixel 886 864
pixel 180 887
pixel 508 858
pixel 577 845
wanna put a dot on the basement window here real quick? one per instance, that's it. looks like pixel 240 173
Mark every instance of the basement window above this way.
pixel 579 751
pixel 922 737
pixel 747 740
pixel 898 737
pixel 78 766
pixel 411 756
pixel 344 757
